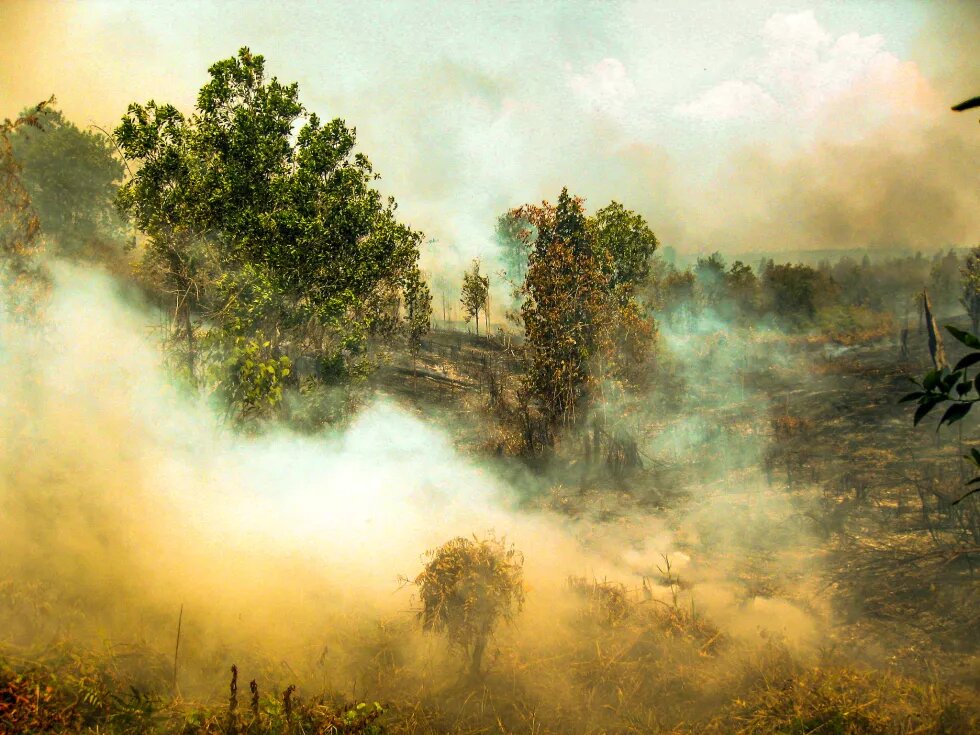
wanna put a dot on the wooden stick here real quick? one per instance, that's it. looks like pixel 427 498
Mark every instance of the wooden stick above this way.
pixel 180 620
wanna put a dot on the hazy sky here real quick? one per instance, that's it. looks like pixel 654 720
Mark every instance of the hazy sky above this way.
pixel 730 125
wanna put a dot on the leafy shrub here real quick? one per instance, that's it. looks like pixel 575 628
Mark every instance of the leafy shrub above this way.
pixel 467 588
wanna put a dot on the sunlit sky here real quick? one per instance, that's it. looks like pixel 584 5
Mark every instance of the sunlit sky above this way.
pixel 730 125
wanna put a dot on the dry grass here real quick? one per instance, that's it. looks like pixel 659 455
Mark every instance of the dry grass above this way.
pixel 845 701
pixel 619 660
pixel 79 693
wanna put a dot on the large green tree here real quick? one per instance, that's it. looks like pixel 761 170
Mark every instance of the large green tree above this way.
pixel 566 292
pixel 72 177
pixel 255 194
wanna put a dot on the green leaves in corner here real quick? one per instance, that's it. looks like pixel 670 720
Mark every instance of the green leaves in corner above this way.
pixel 970 340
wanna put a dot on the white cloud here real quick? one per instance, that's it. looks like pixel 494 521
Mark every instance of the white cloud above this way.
pixel 808 68
pixel 605 87
pixel 795 30
pixel 805 70
pixel 730 100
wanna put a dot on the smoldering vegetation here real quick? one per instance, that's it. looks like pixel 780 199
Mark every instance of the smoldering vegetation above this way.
pixel 691 590
pixel 127 502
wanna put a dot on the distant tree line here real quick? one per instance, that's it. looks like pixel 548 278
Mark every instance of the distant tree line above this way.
pixel 848 294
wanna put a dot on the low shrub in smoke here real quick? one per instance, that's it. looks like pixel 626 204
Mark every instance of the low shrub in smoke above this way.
pixel 606 601
pixel 467 588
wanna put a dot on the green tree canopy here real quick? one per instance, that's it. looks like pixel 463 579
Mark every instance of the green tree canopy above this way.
pixel 709 275
pixel 564 312
pixel 743 289
pixel 251 183
pixel 72 177
pixel 629 241
pixel 795 292
pixel 583 330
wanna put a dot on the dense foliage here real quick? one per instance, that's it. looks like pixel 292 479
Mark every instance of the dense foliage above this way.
pixel 583 328
pixel 72 177
pixel 260 218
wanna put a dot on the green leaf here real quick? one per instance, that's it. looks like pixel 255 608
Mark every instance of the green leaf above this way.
pixel 954 413
pixel 924 408
pixel 913 396
pixel 949 381
pixel 971 359
pixel 966 338
pixel 931 380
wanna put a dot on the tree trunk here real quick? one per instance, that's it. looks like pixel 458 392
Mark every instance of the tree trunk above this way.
pixel 478 648
pixel 189 330
pixel 936 348
pixel 181 274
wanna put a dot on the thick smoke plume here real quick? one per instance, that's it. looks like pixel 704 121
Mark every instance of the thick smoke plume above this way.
pixel 124 499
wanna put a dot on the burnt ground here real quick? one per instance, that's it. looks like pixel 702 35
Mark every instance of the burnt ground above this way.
pixel 865 496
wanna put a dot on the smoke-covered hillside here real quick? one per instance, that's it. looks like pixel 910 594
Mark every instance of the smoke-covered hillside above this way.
pixel 542 450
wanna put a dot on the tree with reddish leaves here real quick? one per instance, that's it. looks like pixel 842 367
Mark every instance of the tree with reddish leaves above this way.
pixel 585 335
pixel 564 312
